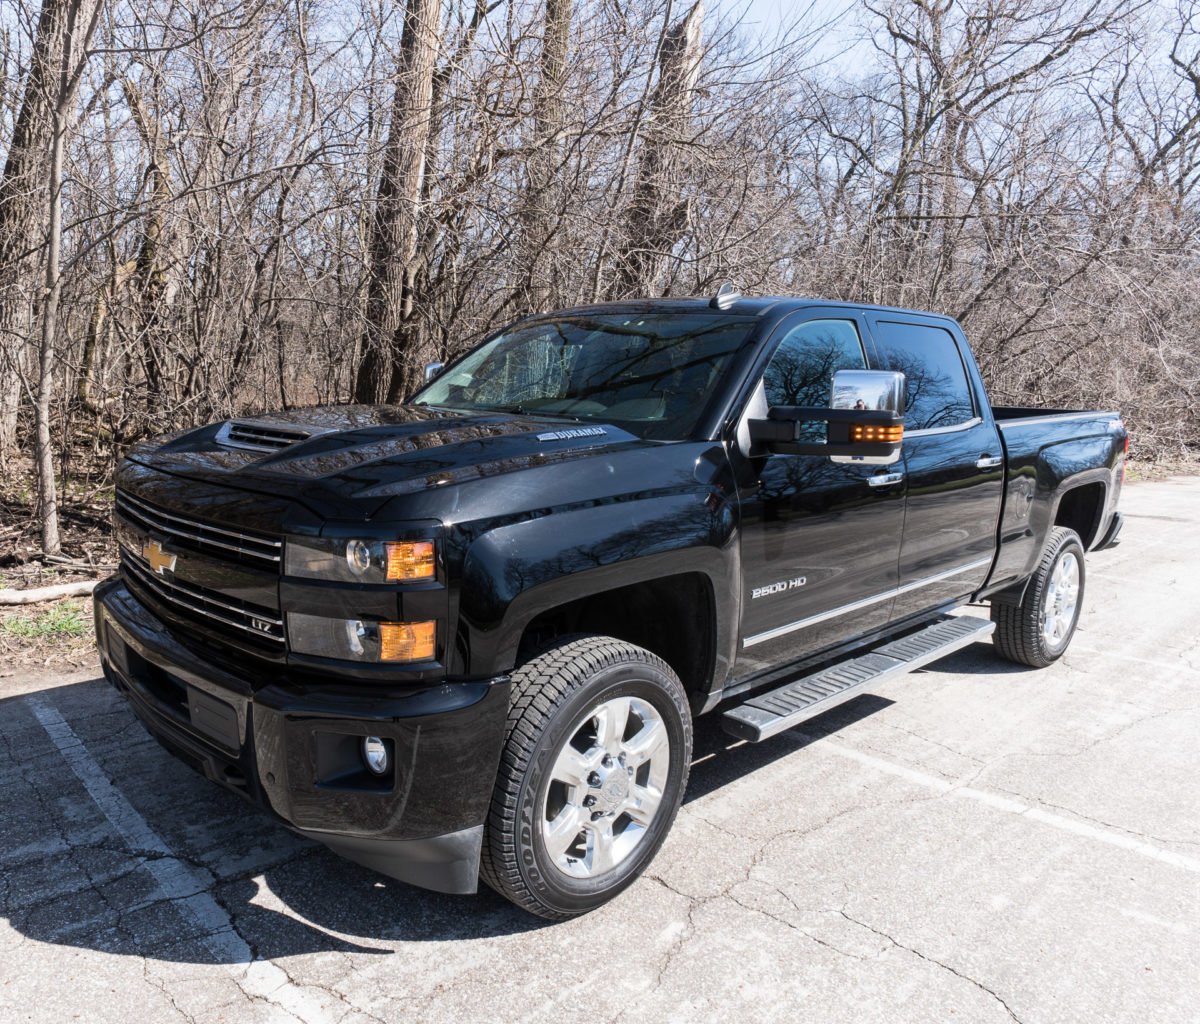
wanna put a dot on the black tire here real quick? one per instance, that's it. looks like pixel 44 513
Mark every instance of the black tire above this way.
pixel 552 696
pixel 1020 634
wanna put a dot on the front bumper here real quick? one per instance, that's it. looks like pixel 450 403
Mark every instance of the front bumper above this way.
pixel 292 748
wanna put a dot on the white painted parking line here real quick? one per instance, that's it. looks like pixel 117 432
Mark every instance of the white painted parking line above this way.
pixel 1010 806
pixel 186 888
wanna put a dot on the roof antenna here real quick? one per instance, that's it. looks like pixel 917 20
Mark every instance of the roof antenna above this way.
pixel 726 296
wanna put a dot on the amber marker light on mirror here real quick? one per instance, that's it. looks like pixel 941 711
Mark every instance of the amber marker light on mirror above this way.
pixel 410 560
pixel 407 641
pixel 877 435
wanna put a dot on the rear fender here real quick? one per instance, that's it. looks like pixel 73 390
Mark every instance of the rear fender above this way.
pixel 1035 492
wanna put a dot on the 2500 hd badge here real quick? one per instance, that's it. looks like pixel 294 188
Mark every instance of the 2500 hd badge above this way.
pixel 782 587
pixel 450 650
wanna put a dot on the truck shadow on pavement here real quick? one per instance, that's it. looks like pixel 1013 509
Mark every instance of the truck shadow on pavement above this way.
pixel 70 874
pixel 976 660
pixel 718 759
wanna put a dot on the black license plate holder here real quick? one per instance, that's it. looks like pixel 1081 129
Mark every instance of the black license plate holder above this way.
pixel 214 719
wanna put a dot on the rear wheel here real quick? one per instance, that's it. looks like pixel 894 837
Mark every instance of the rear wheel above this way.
pixel 1038 631
pixel 591 777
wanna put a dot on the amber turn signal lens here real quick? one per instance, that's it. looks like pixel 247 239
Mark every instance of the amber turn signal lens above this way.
pixel 407 641
pixel 877 435
pixel 410 560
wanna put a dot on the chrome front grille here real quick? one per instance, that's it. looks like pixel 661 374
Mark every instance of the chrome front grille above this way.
pixel 252 548
pixel 192 601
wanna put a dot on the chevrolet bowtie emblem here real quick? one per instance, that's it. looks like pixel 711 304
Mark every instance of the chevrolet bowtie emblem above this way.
pixel 157 558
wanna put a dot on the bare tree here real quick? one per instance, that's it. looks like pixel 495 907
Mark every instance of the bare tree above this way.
pixel 32 173
pixel 395 224
pixel 26 184
pixel 541 201
pixel 291 203
pixel 658 212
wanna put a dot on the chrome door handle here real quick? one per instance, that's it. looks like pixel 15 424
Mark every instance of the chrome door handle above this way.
pixel 885 479
pixel 989 462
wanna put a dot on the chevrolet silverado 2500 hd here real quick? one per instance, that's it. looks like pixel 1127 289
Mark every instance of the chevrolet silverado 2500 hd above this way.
pixel 467 636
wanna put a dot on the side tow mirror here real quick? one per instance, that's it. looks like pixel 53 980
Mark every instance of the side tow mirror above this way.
pixel 432 370
pixel 865 421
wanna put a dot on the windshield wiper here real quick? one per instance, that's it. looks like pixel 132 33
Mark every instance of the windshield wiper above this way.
pixel 518 409
pixel 511 410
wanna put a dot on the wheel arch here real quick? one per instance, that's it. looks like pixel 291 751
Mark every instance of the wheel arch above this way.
pixel 1081 506
pixel 673 616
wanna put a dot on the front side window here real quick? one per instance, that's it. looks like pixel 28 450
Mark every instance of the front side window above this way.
pixel 938 393
pixel 802 368
pixel 801 371
pixel 649 374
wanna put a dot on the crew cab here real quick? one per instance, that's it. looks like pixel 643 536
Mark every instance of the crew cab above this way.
pixel 467 636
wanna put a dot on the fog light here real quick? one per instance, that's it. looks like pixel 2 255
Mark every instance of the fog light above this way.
pixel 375 755
pixel 361 639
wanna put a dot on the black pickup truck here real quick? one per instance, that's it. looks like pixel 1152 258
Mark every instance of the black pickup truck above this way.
pixel 466 637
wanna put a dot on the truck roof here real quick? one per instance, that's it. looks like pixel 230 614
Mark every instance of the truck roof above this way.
pixel 741 305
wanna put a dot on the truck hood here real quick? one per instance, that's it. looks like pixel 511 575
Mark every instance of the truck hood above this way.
pixel 370 454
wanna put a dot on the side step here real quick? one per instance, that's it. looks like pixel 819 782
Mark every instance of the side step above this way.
pixel 773 712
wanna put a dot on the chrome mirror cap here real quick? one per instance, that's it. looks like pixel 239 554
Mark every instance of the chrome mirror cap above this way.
pixel 874 390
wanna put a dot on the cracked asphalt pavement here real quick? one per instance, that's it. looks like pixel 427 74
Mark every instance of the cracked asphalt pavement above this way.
pixel 975 842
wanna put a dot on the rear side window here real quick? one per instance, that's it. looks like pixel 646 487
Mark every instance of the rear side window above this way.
pixel 801 371
pixel 938 394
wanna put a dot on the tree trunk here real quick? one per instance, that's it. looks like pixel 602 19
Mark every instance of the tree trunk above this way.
pixel 395 227
pixel 150 282
pixel 43 454
pixel 549 112
pixel 99 332
pixel 30 200
pixel 12 369
pixel 658 214
pixel 24 194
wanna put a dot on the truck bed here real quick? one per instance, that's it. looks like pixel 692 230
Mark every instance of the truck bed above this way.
pixel 1044 449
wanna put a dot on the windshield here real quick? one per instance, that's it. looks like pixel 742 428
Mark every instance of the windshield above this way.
pixel 649 374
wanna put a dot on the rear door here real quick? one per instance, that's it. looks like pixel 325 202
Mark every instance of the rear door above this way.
pixel 819 540
pixel 952 458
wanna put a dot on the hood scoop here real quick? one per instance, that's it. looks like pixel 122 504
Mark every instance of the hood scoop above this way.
pixel 262 437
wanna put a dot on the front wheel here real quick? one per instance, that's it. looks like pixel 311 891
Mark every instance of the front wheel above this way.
pixel 591 776
pixel 1038 631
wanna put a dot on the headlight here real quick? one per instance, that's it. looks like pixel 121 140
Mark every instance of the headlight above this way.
pixel 361 640
pixel 356 560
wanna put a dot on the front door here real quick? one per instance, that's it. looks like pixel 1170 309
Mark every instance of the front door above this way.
pixel 820 541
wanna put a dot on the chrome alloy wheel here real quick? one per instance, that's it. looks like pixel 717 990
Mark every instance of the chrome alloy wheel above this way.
pixel 606 786
pixel 1062 595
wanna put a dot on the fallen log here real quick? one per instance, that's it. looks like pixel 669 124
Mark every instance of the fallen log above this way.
pixel 35 595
